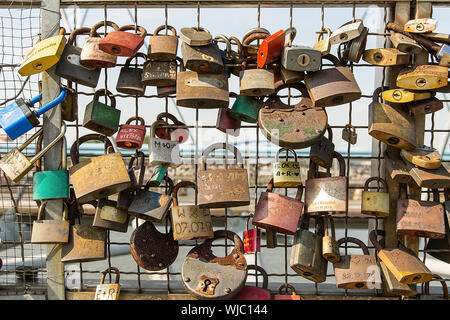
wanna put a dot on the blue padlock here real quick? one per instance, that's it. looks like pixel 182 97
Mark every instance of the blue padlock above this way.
pixel 18 118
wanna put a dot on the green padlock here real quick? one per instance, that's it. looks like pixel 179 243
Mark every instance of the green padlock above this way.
pixel 246 108
pixel 51 184
pixel 100 117
pixel 158 175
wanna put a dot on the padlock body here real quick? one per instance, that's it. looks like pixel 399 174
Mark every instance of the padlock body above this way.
pixel 325 195
pixel 129 81
pixel 256 82
pixel 50 231
pixel 15 165
pixel 17 119
pixel 246 109
pixel 252 293
pixel 159 73
pixel 226 123
pixel 330 249
pixel 386 57
pixel 286 174
pixel 425 106
pixel 357 271
pixel 375 203
pixel 202 59
pixel 191 222
pixel 109 291
pixel 349 136
pixel 92 57
pixel 86 243
pixel 301 58
pixel 121 43
pixel 165 91
pixel 392 287
pixel 347 32
pixel 130 136
pixel 108 216
pixel 252 240
pixel 149 205
pixel 164 152
pixel 430 178
pixel 51 185
pixel 163 48
pixel 321 153
pixel 101 118
pixel 270 49
pixel 69 107
pixel 423 77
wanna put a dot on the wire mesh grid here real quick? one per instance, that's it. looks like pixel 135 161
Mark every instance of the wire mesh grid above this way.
pixel 257 152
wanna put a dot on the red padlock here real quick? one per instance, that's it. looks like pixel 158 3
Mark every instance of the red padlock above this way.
pixel 251 239
pixel 131 136
pixel 226 123
pixel 174 134
pixel 121 43
pixel 270 49
pixel 255 293
pixel 281 296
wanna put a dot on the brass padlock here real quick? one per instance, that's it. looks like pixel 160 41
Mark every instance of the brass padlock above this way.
pixel 16 165
pixel 291 77
pixel 423 77
pixel 375 203
pixel 256 82
pixel 347 32
pixel 330 249
pixel 50 231
pixel 286 173
pixel 386 57
pixel 196 36
pixel 404 96
pixel 202 59
pixel 108 291
pixel 422 25
pixel 129 81
pixel 391 125
pixel 425 106
pixel 349 134
pixel 404 43
pixel 163 47
pixel 321 44
pixel 159 73
pixel 321 153
pixel 86 243
pixel 108 216
pixel 424 157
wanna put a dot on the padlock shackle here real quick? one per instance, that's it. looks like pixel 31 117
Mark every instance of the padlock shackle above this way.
pixel 41 211
pixel 377 92
pixel 341 162
pixel 227 43
pixel 41 153
pixel 304 221
pixel 348 125
pixel 170 116
pixel 325 224
pixel 254 30
pixel 77 32
pixel 62 95
pixel 330 133
pixel 253 37
pixel 238 44
pixel 298 196
pixel 403 191
pixel 292 33
pixel 129 27
pixel 179 185
pixel 137 55
pixel 138 120
pixel 100 24
pixel 157 123
pixel 160 28
pixel 287 151
pixel 435 195
pixel 443 283
pixel 227 234
pixel 287 286
pixel 225 146
pixel 169 183
pixel 141 157
pixel 333 59
pixel 75 153
pixel 251 215
pixel 105 93
pixel 355 241
pixel 102 279
pixel 320 35
pixel 320 225
pixel 373 238
pixel 383 182
pixel 262 272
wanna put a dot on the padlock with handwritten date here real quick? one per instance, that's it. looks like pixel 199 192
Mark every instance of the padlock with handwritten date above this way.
pixel 286 173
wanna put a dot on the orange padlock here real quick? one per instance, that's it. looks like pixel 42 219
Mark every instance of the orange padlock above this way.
pixel 270 48
pixel 121 43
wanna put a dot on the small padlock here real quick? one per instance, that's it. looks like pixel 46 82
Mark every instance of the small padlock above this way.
pixel 425 106
pixel 251 238
pixel 300 58
pixel 349 134
pixel 323 44
pixel 424 157
pixel 347 32
pixel 129 81
pixel 330 248
pixel 255 293
pixel 281 296
pixel 162 151
pixel 100 117
pixel 422 25
pixel 195 36
pixel 423 77
pixel 256 82
pixel 158 175
pixel 50 231
pixel 69 106
pixel 108 291
pixel 236 57
pixel 91 56
pixel 404 96
pixel 286 173
pixel 159 73
pixel 121 43
pixel 270 49
pixel 321 152
pixel 136 174
pixel 246 108
pixel 375 203
pixel 163 47
pixel 386 57
pixel 108 216
pixel 131 136
pixel 226 123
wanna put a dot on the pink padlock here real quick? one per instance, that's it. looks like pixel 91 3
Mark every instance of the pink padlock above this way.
pixel 255 293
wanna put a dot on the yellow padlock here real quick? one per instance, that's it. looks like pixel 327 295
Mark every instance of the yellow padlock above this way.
pixel 108 291
pixel 286 173
pixel 404 96
pixel 44 54
pixel 423 77
pixel 375 203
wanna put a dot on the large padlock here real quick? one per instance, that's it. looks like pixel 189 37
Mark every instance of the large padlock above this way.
pixel 270 48
pixel 323 44
pixel 422 25
pixel 391 125
pixel 423 77
pixel 51 184
pixel 222 188
pixel 100 176
pixel 300 58
pixel 189 222
pixel 321 153
pixel 375 203
pixel 100 117
pixel 91 56
pixel 201 90
pixel 386 57
pixel 150 205
pixel 246 108
pixel 425 106
pixel 206 276
pixel 44 55
pixel 16 165
pixel 332 86
pixel 109 291
pixel 159 73
pixel 151 249
pixel 330 248
pixel 426 292
pixel 251 238
pixel 424 157
pixel 131 136
pixel 69 66
pixel 442 246
pixel 195 36
pixel 86 243
pixel 277 212
pixel 306 254
pixel 226 123
pixel 404 43
pixel 255 293
pixel 349 134
pixel 179 132
pixel 162 151
pixel 286 173
pixel 347 32
pixel 163 47
pixel 130 78
pixel 404 96
pixel 202 59
pixel 108 216
pixel 50 231
pixel 286 296
pixel 356 271
pixel 326 195
pixel 256 82
pixel 294 127
pixel 402 262
pixel 420 218
pixel 18 118
pixel 122 43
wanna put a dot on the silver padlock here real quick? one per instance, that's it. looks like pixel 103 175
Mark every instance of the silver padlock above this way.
pixel 347 32
pixel 349 134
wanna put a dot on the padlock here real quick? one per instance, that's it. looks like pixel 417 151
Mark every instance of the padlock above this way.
pixel 425 106
pixel 251 50
pixel 402 262
pixel 16 165
pixel 109 291
pixel 442 246
pixel 225 54
pixel 375 203
pixel 426 293
pixel 69 66
pixel 100 117
pixel 122 43
pixel 349 134
pixel 50 231
pixel 356 271
pixel 177 133
pixel 294 127
pixel 390 125
pixel 306 254
pixel 100 176
pixel 222 188
pixel 392 287
pixel 86 243
pixel 323 44
pixel 251 238
pixel 195 36
pixel 430 178
pixel 291 77
pixel 136 174
pixel 108 216
pixel 386 57
pixel 256 82
pixel 91 56
pixel 404 96
pixel 206 276
pixel 404 43
pixel 159 73
pixel 330 248
pixel 158 175
pixel 326 195
pixel 226 123
pixel 270 48
pixel 353 49
pixel 300 58
pixel 424 157
pixel 153 206
pixel 423 77
pixel 189 222
pixel 332 86
pixel 422 25
pixel 51 184
pixel 163 47
pixel 129 81
pixel 69 106
pixel 255 293
pixel 286 173
pixel 277 212
pixel 321 153
pixel 420 218
pixel 202 59
pixel 44 55
pixel 202 91
pixel 131 136
pixel 347 32
pixel 396 168
pixel 151 249
pixel 18 118
pixel 246 108
pixel 281 296
pixel 162 151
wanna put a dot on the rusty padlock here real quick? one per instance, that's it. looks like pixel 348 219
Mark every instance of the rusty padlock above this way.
pixel 123 44
pixel 136 174
pixel 163 47
pixel 255 293
pixel 404 43
pixel 281 296
pixel 442 246
pixel 108 291
pixel 321 153
pixel 177 133
pixel 424 157
pixel 129 81
pixel 425 106
pixel 226 123
pixel 195 36
pixel 353 49
pixel 206 276
pixel 286 173
pixel 159 73
pixel 69 107
pixel 251 50
pixel 131 136
pixel 50 231
pixel 375 203
pixel 91 56
pixel 251 238
pixel 426 292
pixel 108 216
pixel 202 59
pixel 349 134
pixel 429 178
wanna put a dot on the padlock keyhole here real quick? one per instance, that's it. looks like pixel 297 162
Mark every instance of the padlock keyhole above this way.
pixel 115 50
pixel 206 283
